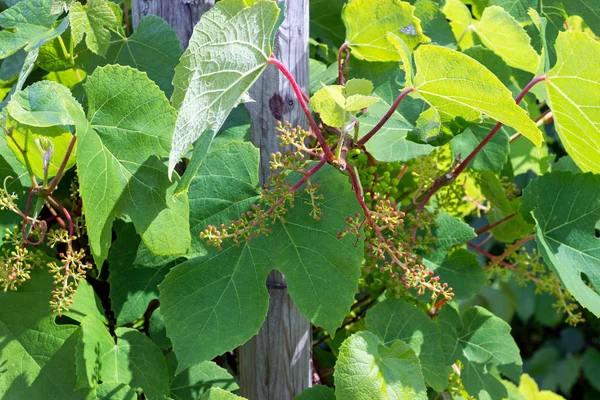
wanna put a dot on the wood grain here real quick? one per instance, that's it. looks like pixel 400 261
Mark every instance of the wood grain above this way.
pixel 182 15
pixel 275 365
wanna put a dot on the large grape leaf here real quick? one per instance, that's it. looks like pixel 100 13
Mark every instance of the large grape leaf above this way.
pixel 131 359
pixel 227 288
pixel 369 21
pixel 131 287
pixel 458 86
pixel 480 341
pixel 131 123
pixel 367 369
pixel 153 48
pixel 573 85
pixel 33 345
pixel 500 32
pixel 95 20
pixel 566 208
pixel 388 321
pixel 28 24
pixel 220 64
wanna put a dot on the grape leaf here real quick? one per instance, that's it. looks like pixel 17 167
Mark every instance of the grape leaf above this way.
pixel 95 19
pixel 227 287
pixel 450 231
pixel 388 321
pixel 94 342
pixel 457 85
pixel 326 23
pixel 153 48
pixel 336 104
pixel 500 32
pixel 529 390
pixel 367 369
pixel 462 271
pixel 113 391
pixel 198 379
pixel 225 186
pixel 369 21
pixel 517 8
pixel 566 208
pixel 28 24
pixel 131 287
pixel 130 126
pixel 481 340
pixel 219 66
pixel 573 84
pixel 33 345
pixel 461 22
pixel 219 394
pixel 434 23
pixel 136 361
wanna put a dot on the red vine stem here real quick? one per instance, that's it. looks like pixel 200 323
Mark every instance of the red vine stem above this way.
pixel 495 224
pixel 386 117
pixel 299 94
pixel 64 211
pixel 465 163
pixel 342 65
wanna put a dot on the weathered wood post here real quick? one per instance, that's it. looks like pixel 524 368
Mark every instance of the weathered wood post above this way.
pixel 275 365
pixel 182 15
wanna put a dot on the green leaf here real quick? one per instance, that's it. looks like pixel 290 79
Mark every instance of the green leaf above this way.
pixel 572 87
pixel 336 104
pixel 450 231
pixel 492 157
pixel 94 342
pixel 524 157
pixel 590 364
pixel 388 321
pixel 318 392
pixel 153 48
pixel 136 361
pixel 326 23
pixel 517 8
pixel 516 227
pixel 94 20
pixel 198 379
pixel 131 287
pixel 225 186
pixel 457 85
pixel 220 394
pixel 566 208
pixel 529 390
pixel 116 177
pixel 369 21
pixel 485 339
pixel 28 24
pixel 462 271
pixel 500 32
pixel 367 369
pixel 33 345
pixel 85 302
pixel 113 391
pixel 219 66
pixel 434 23
pixel 227 288
pixel 460 21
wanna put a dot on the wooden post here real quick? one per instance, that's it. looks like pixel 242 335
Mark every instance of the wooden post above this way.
pixel 275 364
pixel 182 15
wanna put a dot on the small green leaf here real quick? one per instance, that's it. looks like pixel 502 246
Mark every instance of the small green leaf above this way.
pixel 573 85
pixel 388 321
pixel 95 20
pixel 500 32
pixel 117 177
pixel 334 102
pixel 566 208
pixel 457 85
pixel 28 24
pixel 369 21
pixel 590 364
pixel 219 394
pixel 462 271
pixel 219 66
pixel 367 369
